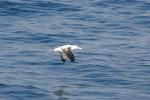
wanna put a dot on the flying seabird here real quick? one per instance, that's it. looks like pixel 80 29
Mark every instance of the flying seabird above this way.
pixel 66 52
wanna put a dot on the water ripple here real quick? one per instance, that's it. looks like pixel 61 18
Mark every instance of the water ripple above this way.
pixel 113 64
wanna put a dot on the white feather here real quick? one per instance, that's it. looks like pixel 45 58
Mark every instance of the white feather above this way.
pixel 73 47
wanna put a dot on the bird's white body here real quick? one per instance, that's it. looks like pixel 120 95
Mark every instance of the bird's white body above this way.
pixel 66 52
pixel 73 47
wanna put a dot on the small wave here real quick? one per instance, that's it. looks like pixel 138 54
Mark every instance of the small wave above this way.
pixel 23 91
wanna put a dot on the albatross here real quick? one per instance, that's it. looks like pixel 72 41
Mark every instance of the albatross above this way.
pixel 66 52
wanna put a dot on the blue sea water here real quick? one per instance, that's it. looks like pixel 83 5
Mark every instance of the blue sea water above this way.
pixel 113 65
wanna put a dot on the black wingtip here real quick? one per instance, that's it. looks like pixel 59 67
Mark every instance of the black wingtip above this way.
pixel 72 60
pixel 62 59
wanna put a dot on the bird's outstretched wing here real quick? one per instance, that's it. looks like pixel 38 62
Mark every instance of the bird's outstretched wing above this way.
pixel 69 54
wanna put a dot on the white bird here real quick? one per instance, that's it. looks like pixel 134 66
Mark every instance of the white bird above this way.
pixel 66 52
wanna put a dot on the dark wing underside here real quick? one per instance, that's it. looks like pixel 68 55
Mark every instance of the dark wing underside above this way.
pixel 62 59
pixel 69 54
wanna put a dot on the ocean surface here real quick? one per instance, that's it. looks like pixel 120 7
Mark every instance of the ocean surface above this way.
pixel 114 63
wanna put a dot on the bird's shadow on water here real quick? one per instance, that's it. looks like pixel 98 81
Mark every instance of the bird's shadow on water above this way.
pixel 60 93
pixel 58 62
pixel 55 62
